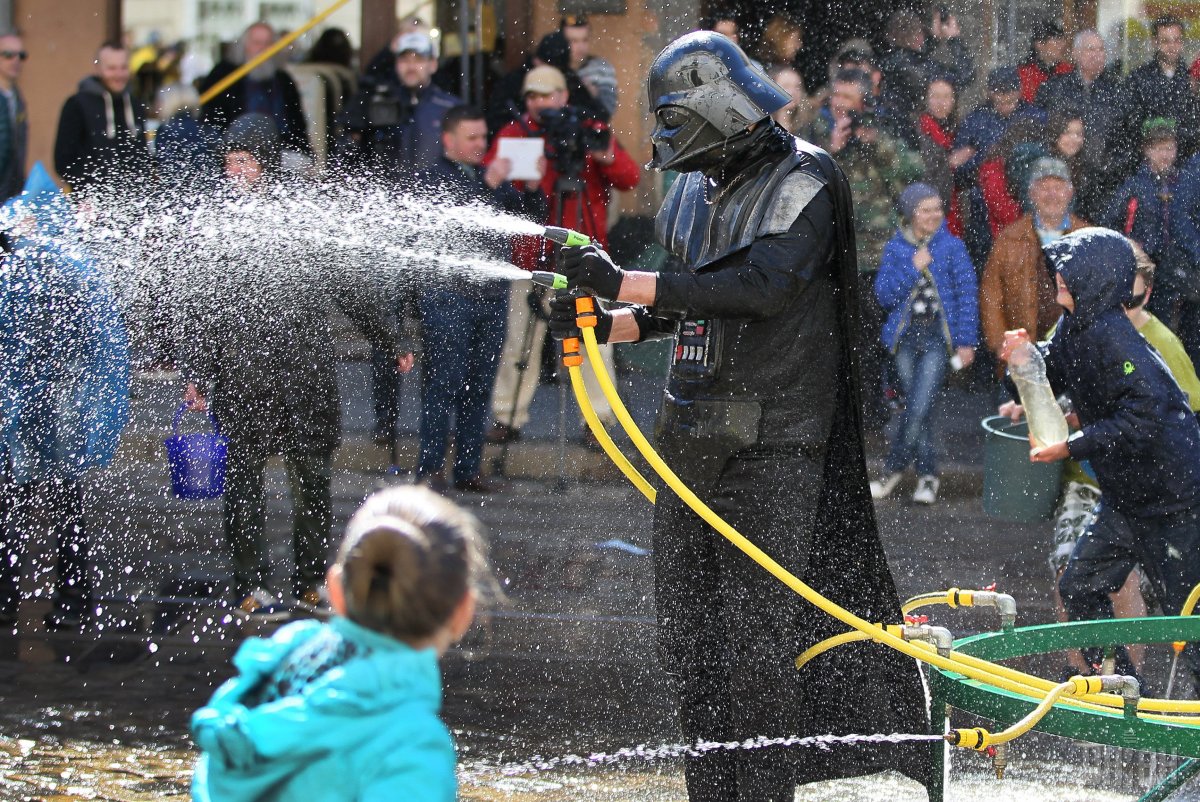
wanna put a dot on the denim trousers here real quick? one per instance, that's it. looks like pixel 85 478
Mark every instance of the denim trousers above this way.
pixel 921 366
pixel 463 336
pixel 1167 547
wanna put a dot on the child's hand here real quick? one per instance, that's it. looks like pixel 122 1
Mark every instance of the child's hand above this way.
pixel 1012 341
pixel 1050 453
pixel 1011 410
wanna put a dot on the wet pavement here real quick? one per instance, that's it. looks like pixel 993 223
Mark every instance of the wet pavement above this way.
pixel 564 664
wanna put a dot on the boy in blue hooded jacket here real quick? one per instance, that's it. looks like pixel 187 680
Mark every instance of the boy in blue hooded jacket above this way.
pixel 1137 432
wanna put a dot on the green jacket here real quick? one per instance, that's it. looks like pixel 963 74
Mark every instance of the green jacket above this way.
pixel 878 172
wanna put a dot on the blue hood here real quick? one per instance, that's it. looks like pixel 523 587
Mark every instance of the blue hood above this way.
pixel 1098 266
pixel 64 380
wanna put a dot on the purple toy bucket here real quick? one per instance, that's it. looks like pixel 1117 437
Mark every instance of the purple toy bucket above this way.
pixel 197 460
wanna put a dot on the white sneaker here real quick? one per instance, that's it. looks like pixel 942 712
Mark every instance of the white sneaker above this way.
pixel 927 489
pixel 882 488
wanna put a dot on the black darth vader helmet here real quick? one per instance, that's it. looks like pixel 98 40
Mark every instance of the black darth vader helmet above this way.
pixel 705 91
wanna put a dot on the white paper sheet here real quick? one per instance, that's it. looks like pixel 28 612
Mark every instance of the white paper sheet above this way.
pixel 524 153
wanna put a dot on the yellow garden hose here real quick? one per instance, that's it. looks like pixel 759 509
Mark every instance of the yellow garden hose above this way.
pixel 982 671
pixel 606 442
pixel 979 739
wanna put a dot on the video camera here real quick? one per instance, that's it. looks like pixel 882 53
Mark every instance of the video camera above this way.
pixel 570 134
pixel 388 107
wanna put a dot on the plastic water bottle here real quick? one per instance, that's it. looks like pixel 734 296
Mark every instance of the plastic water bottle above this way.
pixel 1047 423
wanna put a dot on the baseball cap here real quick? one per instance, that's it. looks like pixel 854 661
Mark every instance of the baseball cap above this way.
pixel 544 80
pixel 414 42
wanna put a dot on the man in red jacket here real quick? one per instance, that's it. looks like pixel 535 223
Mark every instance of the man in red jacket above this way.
pixel 582 206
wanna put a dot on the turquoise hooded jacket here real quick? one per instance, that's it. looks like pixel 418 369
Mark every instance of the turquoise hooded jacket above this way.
pixel 367 730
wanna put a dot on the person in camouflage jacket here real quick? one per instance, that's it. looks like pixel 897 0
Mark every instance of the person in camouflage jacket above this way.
pixel 878 165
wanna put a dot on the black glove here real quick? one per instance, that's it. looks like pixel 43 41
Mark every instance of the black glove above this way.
pixel 590 268
pixel 562 318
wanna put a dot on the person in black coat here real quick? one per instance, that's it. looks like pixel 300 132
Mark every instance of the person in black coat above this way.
pixel 257 348
pixel 507 101
pixel 1137 432
pixel 265 90
pixel 1159 88
pixel 761 419
pixel 101 136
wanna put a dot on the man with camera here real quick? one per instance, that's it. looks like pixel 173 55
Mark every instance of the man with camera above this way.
pixel 584 164
pixel 395 124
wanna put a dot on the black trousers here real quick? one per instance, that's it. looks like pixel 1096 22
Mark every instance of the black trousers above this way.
pixel 729 632
pixel 1167 547
pixel 246 512
pixel 54 506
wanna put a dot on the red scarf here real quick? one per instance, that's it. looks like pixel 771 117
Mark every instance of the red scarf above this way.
pixel 934 130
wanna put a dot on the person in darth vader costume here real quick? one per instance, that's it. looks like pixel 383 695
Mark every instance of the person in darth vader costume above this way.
pixel 761 419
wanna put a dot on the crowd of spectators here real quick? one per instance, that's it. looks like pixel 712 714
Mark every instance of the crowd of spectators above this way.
pixel 954 207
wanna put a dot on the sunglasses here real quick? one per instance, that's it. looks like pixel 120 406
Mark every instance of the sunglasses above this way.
pixel 11 54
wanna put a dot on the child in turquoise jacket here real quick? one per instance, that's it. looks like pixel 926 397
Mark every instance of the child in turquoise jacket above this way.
pixel 348 710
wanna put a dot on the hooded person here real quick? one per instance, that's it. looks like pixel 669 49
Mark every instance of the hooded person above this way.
pixel 761 419
pixel 1137 432
pixel 254 134
pixel 64 391
pixel 257 350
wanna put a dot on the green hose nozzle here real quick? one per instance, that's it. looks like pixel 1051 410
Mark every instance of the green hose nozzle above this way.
pixel 555 281
pixel 565 236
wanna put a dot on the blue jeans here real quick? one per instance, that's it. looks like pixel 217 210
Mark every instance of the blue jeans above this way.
pixel 921 365
pixel 463 336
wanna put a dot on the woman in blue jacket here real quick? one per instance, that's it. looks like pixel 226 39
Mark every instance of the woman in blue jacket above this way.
pixel 348 710
pixel 926 284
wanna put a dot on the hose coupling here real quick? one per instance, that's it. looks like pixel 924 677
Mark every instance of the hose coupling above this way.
pixel 999 755
pixel 976 738
pixel 938 637
pixel 1129 688
pixel 1005 605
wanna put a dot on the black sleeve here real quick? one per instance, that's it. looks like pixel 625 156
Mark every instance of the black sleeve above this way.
pixel 70 147
pixel 776 269
pixel 293 108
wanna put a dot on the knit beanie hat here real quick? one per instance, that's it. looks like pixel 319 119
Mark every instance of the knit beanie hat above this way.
pixel 912 196
pixel 1048 167
pixel 256 134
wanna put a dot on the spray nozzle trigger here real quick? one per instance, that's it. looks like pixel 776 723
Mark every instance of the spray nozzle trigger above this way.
pixel 565 236
pixel 555 281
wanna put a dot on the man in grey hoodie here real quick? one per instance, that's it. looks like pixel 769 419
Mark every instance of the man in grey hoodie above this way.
pixel 102 128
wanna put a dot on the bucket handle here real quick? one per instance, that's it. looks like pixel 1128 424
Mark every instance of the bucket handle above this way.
pixel 183 407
